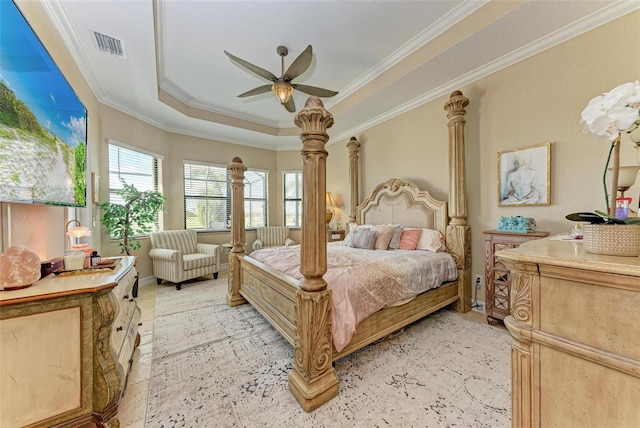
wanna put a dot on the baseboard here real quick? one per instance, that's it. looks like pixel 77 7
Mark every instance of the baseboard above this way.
pixel 149 280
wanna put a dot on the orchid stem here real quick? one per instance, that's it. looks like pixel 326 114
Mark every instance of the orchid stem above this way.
pixel 604 176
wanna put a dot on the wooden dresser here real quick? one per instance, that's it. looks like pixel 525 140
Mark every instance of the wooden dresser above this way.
pixel 496 275
pixel 575 327
pixel 66 346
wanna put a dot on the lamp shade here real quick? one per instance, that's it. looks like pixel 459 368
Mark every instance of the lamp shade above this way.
pixel 330 200
pixel 627 176
pixel 78 231
pixel 282 91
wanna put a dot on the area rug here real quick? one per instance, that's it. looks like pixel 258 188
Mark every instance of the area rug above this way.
pixel 216 366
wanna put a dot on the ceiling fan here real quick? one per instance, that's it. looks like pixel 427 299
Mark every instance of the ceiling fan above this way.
pixel 282 86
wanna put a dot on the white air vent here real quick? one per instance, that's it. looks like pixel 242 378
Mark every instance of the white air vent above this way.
pixel 109 45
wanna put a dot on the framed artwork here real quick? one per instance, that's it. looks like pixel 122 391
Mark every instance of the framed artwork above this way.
pixel 524 176
pixel 95 187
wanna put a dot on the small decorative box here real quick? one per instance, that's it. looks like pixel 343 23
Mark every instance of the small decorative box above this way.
pixel 516 224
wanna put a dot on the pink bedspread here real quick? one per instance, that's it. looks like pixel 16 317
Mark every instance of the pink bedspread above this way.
pixel 365 281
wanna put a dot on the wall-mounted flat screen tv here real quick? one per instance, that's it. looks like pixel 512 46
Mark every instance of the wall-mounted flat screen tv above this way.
pixel 43 124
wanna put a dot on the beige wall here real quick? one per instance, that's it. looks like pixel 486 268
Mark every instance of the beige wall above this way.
pixel 538 100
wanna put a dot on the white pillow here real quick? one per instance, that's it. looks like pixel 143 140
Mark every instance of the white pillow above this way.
pixel 431 240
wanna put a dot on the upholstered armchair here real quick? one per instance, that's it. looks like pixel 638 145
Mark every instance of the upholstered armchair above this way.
pixel 272 236
pixel 177 256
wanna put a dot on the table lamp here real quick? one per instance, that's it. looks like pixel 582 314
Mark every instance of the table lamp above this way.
pixel 78 231
pixel 331 206
pixel 626 177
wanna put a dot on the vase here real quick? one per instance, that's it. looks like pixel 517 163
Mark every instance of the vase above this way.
pixel 612 239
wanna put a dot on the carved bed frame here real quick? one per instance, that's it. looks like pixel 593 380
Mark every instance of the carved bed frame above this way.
pixel 301 310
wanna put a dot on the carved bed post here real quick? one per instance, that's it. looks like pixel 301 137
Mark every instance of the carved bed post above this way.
pixel 458 231
pixel 353 147
pixel 236 170
pixel 312 379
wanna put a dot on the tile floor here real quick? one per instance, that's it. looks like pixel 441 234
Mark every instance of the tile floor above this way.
pixel 133 407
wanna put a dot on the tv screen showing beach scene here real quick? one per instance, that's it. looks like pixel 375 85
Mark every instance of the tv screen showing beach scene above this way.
pixel 43 124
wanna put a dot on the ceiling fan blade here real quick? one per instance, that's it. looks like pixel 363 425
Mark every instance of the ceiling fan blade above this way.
pixel 312 90
pixel 290 105
pixel 300 64
pixel 256 91
pixel 254 68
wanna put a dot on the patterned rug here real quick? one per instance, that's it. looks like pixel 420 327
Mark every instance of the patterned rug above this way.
pixel 216 366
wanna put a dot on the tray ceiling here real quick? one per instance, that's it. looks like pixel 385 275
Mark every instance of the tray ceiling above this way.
pixel 384 57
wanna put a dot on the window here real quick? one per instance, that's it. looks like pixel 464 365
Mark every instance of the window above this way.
pixel 143 170
pixel 292 198
pixel 207 197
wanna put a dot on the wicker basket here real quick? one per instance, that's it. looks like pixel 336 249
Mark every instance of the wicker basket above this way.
pixel 612 239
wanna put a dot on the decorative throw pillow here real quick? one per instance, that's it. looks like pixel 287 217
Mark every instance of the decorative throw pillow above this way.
pixel 395 241
pixel 363 238
pixel 409 238
pixel 431 240
pixel 383 237
pixel 350 228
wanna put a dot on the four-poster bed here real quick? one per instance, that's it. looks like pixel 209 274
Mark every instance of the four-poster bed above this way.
pixel 301 309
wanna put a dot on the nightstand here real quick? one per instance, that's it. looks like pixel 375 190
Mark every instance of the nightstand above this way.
pixel 335 235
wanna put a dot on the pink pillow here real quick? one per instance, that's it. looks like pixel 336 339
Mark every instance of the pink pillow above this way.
pixel 409 239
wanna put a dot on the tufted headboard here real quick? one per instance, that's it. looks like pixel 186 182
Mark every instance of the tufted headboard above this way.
pixel 401 202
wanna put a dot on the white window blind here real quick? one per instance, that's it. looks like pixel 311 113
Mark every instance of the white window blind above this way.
pixel 133 167
pixel 292 182
pixel 207 197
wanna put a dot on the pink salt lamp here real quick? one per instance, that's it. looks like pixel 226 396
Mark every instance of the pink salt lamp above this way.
pixel 19 268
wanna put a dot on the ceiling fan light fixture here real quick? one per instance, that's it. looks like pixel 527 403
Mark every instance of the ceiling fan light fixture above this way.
pixel 282 87
pixel 283 91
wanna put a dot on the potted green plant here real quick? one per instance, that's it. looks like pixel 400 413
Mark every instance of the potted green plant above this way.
pixel 133 218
